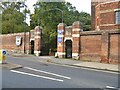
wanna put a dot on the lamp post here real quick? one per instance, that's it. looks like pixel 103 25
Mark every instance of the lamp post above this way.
pixel 25 29
pixel 61 12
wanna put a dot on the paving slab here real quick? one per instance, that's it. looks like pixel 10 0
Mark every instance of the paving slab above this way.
pixel 101 66
pixel 78 63
pixel 10 66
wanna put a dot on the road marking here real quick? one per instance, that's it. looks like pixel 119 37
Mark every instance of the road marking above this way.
pixel 110 87
pixel 48 73
pixel 54 79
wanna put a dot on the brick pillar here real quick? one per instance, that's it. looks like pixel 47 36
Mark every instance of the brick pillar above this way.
pixel 105 47
pixel 93 13
pixel 76 28
pixel 60 40
pixel 97 18
pixel 37 42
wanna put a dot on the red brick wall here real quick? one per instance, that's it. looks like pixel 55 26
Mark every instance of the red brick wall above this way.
pixel 105 17
pixel 114 48
pixel 97 46
pixel 100 46
pixel 9 42
pixel 90 47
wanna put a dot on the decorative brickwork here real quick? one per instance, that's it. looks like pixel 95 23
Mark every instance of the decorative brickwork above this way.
pixel 60 42
pixel 67 34
pixel 37 41
pixel 76 28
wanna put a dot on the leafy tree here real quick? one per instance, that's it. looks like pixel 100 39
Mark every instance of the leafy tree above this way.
pixel 47 16
pixel 12 18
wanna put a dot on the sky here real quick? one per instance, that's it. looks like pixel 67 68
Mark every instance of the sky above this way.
pixel 81 5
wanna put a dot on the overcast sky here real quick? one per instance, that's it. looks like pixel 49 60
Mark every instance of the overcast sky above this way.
pixel 81 5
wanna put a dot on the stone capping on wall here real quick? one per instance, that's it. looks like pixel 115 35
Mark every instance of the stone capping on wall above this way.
pixel 107 2
pixel 14 34
pixel 99 32
pixel 78 24
pixel 38 27
pixel 61 24
pixel 68 27
pixel 91 33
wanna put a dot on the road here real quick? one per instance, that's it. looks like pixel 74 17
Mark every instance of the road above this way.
pixel 36 74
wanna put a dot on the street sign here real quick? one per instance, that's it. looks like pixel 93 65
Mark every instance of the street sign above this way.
pixel 60 31
pixel 3 56
pixel 18 40
pixel 3 52
pixel 59 39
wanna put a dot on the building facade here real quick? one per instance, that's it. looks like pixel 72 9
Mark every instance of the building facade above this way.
pixel 106 15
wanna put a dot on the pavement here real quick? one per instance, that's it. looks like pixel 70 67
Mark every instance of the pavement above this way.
pixel 10 66
pixel 70 62
pixel 84 64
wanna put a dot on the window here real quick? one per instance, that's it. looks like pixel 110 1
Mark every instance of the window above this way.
pixel 117 17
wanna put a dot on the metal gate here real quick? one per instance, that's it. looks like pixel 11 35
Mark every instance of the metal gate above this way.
pixel 68 49
pixel 32 47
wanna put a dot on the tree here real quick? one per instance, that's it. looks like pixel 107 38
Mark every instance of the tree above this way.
pixel 12 18
pixel 48 17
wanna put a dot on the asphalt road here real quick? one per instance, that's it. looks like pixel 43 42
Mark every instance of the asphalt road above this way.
pixel 36 74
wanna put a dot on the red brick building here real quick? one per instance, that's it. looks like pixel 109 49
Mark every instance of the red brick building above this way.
pixel 106 15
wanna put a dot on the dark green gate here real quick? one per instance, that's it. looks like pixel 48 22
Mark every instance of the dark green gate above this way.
pixel 32 47
pixel 68 49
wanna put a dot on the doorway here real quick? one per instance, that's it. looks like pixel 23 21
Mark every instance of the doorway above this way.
pixel 68 48
pixel 32 47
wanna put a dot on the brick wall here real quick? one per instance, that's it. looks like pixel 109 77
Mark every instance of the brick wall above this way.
pixel 114 48
pixel 97 46
pixel 9 42
pixel 90 47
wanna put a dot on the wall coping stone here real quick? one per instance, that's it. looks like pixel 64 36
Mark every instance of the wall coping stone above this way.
pixel 61 24
pixel 99 32
pixel 14 34
pixel 77 23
